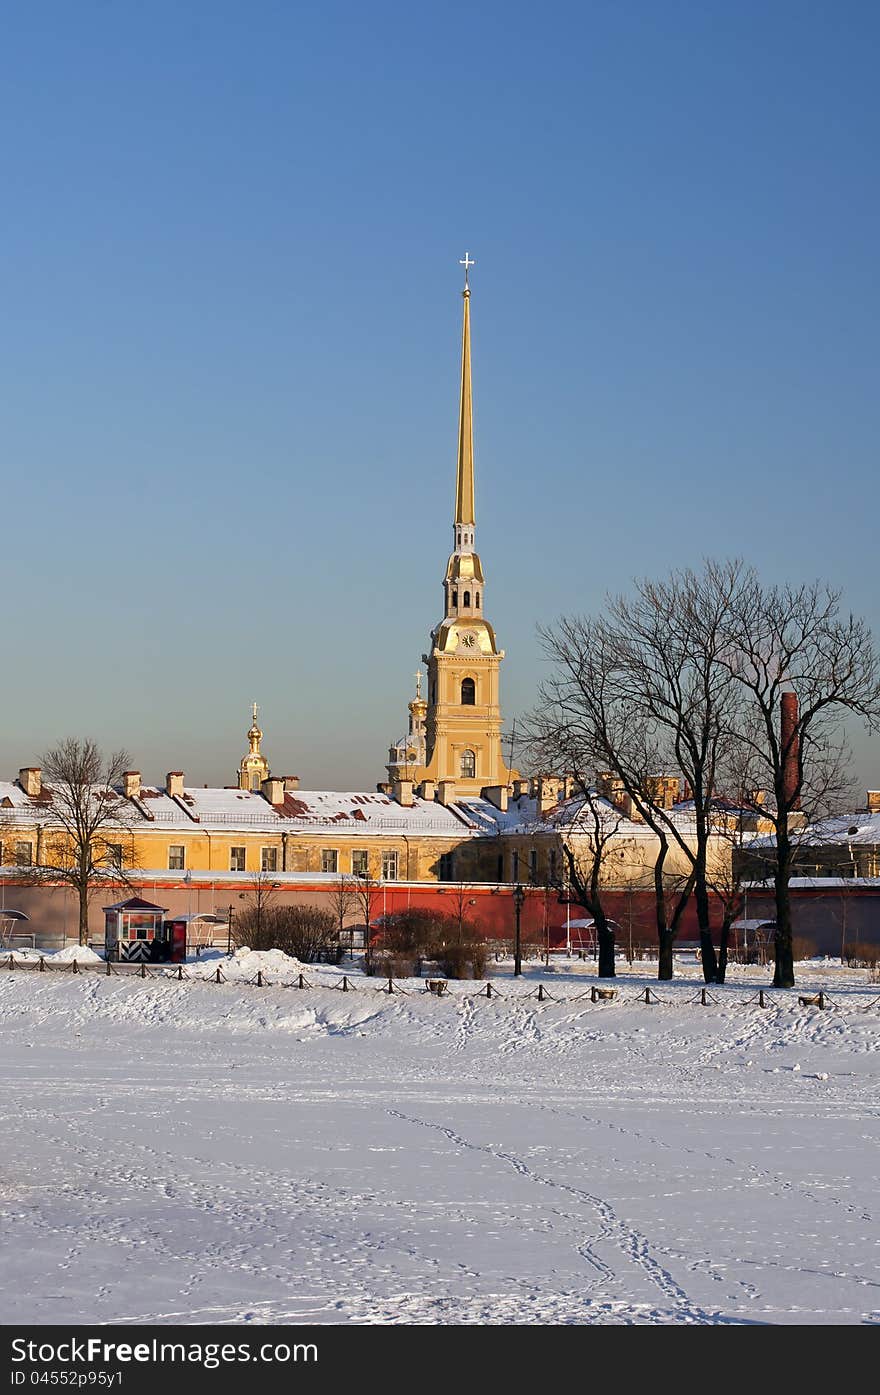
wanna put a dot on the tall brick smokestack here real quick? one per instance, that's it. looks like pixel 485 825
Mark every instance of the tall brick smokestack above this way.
pixel 790 749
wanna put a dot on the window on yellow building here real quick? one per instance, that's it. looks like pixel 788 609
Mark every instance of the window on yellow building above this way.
pixel 360 863
pixel 237 859
pixel 176 857
pixel 389 866
pixel 113 855
pixel 468 692
pixel 24 854
pixel 329 860
pixel 468 765
pixel 268 859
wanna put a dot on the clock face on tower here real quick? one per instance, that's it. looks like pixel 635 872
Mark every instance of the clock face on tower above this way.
pixel 469 639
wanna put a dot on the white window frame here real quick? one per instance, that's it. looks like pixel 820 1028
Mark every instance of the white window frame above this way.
pixel 239 848
pixel 390 858
pixel 28 859
pixel 330 855
pixel 177 848
pixel 268 855
pixel 363 857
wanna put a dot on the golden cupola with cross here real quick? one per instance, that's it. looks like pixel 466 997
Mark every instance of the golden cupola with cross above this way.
pixel 253 768
pixel 462 717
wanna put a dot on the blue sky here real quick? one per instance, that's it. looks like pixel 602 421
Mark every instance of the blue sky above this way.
pixel 230 298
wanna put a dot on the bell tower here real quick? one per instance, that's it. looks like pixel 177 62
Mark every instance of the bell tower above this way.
pixel 462 724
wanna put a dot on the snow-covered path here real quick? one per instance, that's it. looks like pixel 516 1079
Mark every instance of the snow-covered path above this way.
pixel 218 1153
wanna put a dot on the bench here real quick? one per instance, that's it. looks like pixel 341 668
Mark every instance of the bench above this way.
pixel 436 985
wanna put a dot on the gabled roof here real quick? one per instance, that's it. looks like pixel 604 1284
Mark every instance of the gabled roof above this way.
pixel 135 903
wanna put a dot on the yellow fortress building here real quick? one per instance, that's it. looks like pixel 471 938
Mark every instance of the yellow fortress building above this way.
pixel 450 811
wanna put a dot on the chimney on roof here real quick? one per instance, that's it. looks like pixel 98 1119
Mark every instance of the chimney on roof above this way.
pixel 520 788
pixel 497 795
pixel 445 792
pixel 427 790
pixel 291 782
pixel 174 784
pixel 30 777
pixel 402 793
pixel 131 784
pixel 273 790
pixel 789 749
pixel 873 802
pixel 547 794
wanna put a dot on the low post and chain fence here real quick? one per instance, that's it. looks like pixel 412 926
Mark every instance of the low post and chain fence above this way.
pixel 596 993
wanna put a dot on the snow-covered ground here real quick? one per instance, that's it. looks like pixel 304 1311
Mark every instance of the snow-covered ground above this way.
pixel 200 1152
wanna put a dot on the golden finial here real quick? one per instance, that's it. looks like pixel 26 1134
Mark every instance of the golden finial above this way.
pixel 467 262
pixel 418 678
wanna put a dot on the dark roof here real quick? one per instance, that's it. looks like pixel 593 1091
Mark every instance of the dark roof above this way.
pixel 135 903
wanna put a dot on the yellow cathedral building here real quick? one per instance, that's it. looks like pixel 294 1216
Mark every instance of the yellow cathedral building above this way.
pixel 453 745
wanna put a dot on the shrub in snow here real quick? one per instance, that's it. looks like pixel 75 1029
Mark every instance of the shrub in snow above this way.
pixel 305 933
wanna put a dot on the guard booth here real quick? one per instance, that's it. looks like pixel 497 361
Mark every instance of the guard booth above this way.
pixel 135 932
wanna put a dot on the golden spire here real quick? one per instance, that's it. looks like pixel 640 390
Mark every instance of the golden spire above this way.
pixel 464 483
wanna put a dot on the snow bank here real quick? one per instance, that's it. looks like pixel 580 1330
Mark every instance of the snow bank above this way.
pixel 83 954
pixel 265 959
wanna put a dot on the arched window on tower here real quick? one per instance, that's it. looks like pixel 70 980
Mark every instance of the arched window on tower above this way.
pixel 256 782
pixel 468 765
pixel 468 692
pixel 467 598
pixel 478 600
pixel 455 598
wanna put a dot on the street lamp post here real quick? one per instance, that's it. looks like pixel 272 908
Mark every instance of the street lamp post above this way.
pixel 229 914
pixel 519 897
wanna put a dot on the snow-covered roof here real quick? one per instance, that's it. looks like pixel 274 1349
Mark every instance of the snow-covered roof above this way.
pixel 570 815
pixel 818 883
pixel 840 831
pixel 359 812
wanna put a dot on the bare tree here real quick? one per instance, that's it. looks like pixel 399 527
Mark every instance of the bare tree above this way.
pixel 367 892
pixel 668 639
pixel 87 842
pixel 561 735
pixel 585 846
pixel 343 902
pixel 589 718
pixel 462 901
pixel 263 890
pixel 796 654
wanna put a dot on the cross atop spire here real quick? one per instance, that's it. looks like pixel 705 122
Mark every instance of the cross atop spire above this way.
pixel 418 678
pixel 467 262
